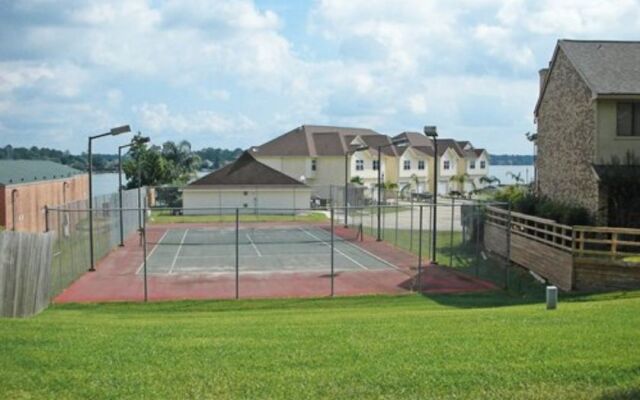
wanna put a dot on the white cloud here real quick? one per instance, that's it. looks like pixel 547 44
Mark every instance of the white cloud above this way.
pixel 417 104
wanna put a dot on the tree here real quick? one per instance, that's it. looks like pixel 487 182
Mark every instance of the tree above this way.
pixel 516 177
pixel 154 169
pixel 490 180
pixel 184 162
pixel 357 180
pixel 461 180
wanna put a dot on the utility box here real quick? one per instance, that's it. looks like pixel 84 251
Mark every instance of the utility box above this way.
pixel 552 297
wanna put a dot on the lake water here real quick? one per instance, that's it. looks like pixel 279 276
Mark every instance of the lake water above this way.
pixel 108 183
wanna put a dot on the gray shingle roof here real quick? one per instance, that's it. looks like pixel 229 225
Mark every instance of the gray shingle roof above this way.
pixel 14 172
pixel 607 67
pixel 246 171
pixel 317 140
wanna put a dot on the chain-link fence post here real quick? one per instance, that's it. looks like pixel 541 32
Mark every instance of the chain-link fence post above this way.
pixel 453 207
pixel 508 259
pixel 395 236
pixel 332 252
pixel 420 250
pixel 411 223
pixel 143 236
pixel 237 266
pixel 477 245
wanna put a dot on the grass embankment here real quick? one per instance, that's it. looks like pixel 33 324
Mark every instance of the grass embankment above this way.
pixel 463 347
pixel 162 217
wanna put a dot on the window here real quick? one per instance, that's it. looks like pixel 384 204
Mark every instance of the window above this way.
pixel 406 165
pixel 359 165
pixel 421 165
pixel 446 164
pixel 313 165
pixel 375 165
pixel 483 164
pixel 472 165
pixel 628 119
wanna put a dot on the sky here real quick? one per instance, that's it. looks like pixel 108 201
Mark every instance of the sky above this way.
pixel 237 73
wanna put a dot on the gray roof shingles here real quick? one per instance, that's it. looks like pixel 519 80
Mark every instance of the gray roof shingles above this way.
pixel 246 171
pixel 608 67
pixel 13 172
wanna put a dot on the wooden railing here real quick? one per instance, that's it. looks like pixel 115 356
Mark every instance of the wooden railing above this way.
pixel 606 242
pixel 539 229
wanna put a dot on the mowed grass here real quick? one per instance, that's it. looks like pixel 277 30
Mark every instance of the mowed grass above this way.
pixel 487 346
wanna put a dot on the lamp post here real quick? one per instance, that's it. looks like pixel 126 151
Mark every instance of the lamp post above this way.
pixel 139 140
pixel 113 132
pixel 432 132
pixel 399 142
pixel 346 181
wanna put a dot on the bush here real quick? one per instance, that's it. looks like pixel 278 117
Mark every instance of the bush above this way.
pixel 525 202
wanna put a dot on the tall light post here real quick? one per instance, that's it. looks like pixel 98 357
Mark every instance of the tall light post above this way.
pixel 346 181
pixel 136 140
pixel 399 142
pixel 113 132
pixel 432 132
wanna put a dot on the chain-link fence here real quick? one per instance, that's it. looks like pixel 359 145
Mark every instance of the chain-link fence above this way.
pixel 275 252
pixel 111 225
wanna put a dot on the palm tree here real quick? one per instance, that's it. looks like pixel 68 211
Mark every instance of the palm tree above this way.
pixel 461 179
pixel 516 177
pixel 490 180
pixel 357 180
pixel 185 161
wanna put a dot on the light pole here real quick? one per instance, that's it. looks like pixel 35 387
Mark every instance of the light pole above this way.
pixel 399 142
pixel 346 180
pixel 139 140
pixel 113 132
pixel 432 132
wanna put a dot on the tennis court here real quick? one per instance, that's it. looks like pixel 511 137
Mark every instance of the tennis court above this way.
pixel 212 250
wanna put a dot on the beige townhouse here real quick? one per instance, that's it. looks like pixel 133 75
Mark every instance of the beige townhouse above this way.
pixel 587 113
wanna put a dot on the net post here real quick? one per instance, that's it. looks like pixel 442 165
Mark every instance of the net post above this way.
pixel 143 237
pixel 453 207
pixel 420 250
pixel 237 266
pixel 332 253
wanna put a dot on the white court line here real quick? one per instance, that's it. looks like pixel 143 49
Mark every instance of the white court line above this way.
pixel 152 250
pixel 251 256
pixel 382 260
pixel 338 250
pixel 254 246
pixel 175 258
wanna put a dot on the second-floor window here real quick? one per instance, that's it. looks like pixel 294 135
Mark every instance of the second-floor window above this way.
pixel 421 165
pixel 313 165
pixel 628 119
pixel 359 165
pixel 446 164
pixel 472 165
pixel 375 165
pixel 483 164
pixel 406 165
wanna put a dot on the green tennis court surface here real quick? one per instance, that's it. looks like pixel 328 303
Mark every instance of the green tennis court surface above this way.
pixel 297 249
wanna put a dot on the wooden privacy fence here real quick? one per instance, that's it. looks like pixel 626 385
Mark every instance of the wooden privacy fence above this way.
pixel 571 257
pixel 25 266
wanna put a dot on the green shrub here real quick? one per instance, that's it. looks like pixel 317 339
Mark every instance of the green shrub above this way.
pixel 525 202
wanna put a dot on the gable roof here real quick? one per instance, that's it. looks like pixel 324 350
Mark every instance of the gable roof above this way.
pixel 14 172
pixel 246 170
pixel 318 140
pixel 608 68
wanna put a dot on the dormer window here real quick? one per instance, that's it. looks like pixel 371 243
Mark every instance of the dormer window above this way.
pixel 628 119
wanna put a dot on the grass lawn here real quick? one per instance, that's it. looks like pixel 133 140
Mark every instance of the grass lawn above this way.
pixel 464 347
pixel 161 217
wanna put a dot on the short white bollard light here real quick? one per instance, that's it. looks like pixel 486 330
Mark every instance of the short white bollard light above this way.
pixel 552 297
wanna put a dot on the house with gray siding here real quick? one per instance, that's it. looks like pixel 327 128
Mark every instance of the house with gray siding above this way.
pixel 587 113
